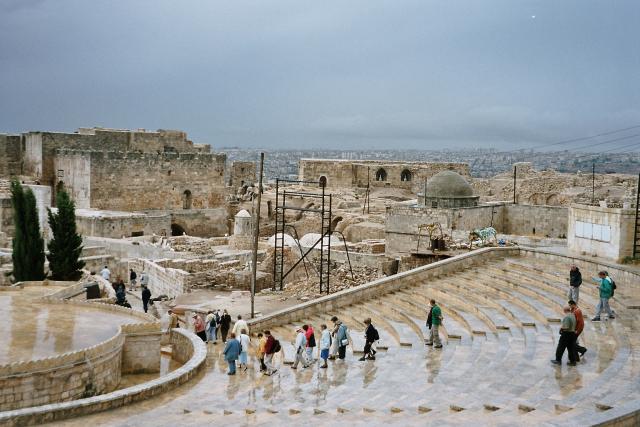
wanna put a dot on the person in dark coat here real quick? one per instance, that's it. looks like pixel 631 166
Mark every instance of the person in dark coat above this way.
pixel 575 280
pixel 225 324
pixel 146 296
pixel 370 337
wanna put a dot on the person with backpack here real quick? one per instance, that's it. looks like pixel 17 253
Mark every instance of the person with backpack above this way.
pixel 436 321
pixel 225 323
pixel 231 352
pixel 300 345
pixel 342 337
pixel 325 344
pixel 606 291
pixel 370 337
pixel 311 341
pixel 211 326
pixel 271 347
pixel 575 280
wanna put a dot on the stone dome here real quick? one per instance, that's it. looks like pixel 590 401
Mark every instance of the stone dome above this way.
pixel 448 184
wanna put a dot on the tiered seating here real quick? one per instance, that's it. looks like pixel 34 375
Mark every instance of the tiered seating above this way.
pixel 500 329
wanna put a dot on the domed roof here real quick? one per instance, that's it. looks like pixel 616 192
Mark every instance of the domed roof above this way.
pixel 448 184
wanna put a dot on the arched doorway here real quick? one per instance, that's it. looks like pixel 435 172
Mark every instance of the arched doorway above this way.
pixel 405 176
pixel 187 198
pixel 381 175
pixel 177 230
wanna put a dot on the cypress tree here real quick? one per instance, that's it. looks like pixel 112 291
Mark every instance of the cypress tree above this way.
pixel 66 245
pixel 28 244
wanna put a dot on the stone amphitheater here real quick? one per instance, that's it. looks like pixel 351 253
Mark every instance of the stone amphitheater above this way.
pixel 502 309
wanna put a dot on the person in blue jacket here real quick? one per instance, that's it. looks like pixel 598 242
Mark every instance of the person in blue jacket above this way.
pixel 231 352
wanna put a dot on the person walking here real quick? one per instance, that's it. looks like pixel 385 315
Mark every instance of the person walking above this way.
pixel 262 342
pixel 370 337
pixel 144 278
pixel 271 347
pixel 300 345
pixel 605 290
pixel 106 273
pixel 225 323
pixel 216 316
pixel 311 341
pixel 567 339
pixel 211 326
pixel 575 280
pixel 240 325
pixel 579 328
pixel 198 326
pixel 146 296
pixel 132 279
pixel 325 344
pixel 436 321
pixel 342 336
pixel 231 352
pixel 245 342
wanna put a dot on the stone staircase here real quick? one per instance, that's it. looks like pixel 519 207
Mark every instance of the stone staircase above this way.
pixel 501 323
pixel 95 258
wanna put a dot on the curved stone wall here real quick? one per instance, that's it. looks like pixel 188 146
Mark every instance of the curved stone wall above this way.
pixel 192 348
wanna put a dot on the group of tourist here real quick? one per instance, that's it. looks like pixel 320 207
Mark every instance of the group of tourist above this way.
pixel 121 290
pixel 573 321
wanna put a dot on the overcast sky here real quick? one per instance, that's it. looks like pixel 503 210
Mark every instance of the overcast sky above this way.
pixel 355 74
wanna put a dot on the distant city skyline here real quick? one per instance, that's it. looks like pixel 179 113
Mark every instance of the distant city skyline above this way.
pixel 360 75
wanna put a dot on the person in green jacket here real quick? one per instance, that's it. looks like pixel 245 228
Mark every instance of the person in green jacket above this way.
pixel 436 321
pixel 606 290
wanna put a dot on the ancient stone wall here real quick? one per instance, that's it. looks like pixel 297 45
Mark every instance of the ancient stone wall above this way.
pixel 138 181
pixel 213 222
pixel 402 223
pixel 242 173
pixel 10 155
pixel 141 351
pixel 162 281
pixel 601 231
pixel 122 224
pixel 394 174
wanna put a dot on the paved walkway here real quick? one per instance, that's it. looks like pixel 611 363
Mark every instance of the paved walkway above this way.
pixel 500 330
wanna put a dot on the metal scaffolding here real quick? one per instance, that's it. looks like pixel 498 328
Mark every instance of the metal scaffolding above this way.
pixel 279 274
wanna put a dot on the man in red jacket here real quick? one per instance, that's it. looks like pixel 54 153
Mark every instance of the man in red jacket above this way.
pixel 269 352
pixel 579 327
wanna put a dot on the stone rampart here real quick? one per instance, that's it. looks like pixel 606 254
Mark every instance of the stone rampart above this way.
pixel 162 281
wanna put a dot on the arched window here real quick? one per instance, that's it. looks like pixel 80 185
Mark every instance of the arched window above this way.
pixel 186 199
pixel 405 175
pixel 381 175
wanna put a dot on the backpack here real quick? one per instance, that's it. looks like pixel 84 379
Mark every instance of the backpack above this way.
pixel 613 286
pixel 276 346
pixel 376 336
pixel 312 341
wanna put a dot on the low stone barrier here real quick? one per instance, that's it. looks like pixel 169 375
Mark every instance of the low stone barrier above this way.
pixel 331 303
pixel 190 346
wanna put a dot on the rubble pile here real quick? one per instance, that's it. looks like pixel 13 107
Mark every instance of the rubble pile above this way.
pixel 196 245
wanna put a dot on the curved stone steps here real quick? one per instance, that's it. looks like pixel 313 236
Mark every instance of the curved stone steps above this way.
pixel 539 302
pixel 506 294
pixel 388 335
pixel 506 316
pixel 408 335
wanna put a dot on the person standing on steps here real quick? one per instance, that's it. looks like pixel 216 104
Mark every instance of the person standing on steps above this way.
pixel 146 296
pixel 216 316
pixel 325 344
pixel 106 273
pixel 575 280
pixel 262 342
pixel 240 325
pixel 606 291
pixel 211 326
pixel 436 321
pixel 567 339
pixel 579 328
pixel 370 337
pixel 225 324
pixel 198 326
pixel 271 347
pixel 245 342
pixel 301 344
pixel 231 352
pixel 132 279
pixel 311 341
pixel 342 337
